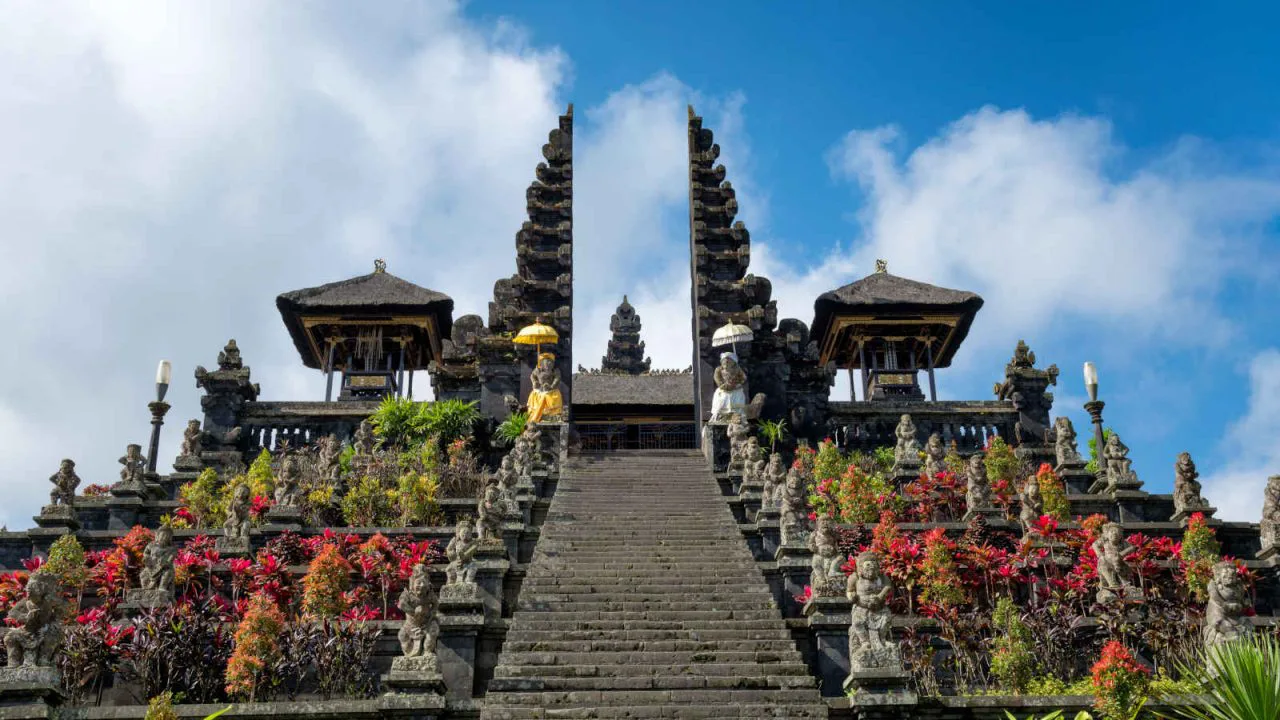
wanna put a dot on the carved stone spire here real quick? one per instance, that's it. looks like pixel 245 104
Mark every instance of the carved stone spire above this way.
pixel 626 349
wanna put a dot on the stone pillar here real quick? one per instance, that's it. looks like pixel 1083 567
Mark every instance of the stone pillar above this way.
pixel 491 570
pixel 829 630
pixel 793 566
pixel 123 511
pixel 769 525
pixel 460 620
pixel 715 446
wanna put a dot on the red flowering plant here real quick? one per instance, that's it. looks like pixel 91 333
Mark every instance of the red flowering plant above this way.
pixel 1119 682
pixel 379 567
pixel 805 457
pixel 259 506
pixel 96 490
pixel 1199 551
pixel 12 586
pixel 940 498
pixel 193 575
pixel 91 651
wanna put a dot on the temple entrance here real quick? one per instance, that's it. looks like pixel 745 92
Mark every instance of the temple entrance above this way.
pixel 644 435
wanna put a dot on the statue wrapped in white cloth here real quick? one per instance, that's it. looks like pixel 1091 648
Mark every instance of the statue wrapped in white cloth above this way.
pixel 731 395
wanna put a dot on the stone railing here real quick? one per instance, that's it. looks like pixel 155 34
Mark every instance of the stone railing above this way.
pixel 866 426
pixel 268 424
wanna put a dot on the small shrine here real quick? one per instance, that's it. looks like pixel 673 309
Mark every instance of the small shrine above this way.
pixel 373 329
pixel 890 328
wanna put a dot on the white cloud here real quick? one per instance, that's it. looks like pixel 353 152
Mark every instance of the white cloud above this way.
pixel 1250 446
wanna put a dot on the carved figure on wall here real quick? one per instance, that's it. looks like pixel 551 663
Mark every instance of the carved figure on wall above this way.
pixel 65 482
pixel 1065 449
pixel 906 451
pixel 133 472
pixel 1032 504
pixel 461 553
pixel 489 514
pixel 775 478
pixel 507 481
pixel 825 576
pixel 545 401
pixel 935 456
pixel 289 491
pixel 978 492
pixel 1186 489
pixel 1224 616
pixel 871 646
pixel 35 636
pixel 191 439
pixel 418 634
pixel 795 510
pixel 730 397
pixel 1115 578
pixel 157 562
pixel 238 518
pixel 1270 525
pixel 1120 474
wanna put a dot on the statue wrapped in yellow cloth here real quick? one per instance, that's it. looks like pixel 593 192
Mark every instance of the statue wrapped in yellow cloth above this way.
pixel 545 401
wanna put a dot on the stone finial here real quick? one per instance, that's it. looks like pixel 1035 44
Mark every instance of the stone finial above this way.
pixel 1115 578
pixel 229 358
pixel 379 265
pixel 871 645
pixel 35 635
pixel 882 266
pixel 825 575
pixel 65 482
pixel 1224 619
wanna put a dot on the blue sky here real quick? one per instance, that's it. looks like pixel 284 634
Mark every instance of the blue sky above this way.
pixel 1107 176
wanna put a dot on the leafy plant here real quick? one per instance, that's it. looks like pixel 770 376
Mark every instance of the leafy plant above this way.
pixel 1240 680
pixel 448 420
pixel 161 708
pixel 1119 683
pixel 1054 494
pixel 173 649
pixel 1092 465
pixel 1013 659
pixel 203 499
pixel 67 561
pixel 325 581
pixel 511 428
pixel 394 420
pixel 368 504
pixel 257 648
pixel 773 432
pixel 1200 551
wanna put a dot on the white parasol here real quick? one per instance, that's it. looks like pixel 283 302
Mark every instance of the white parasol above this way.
pixel 732 334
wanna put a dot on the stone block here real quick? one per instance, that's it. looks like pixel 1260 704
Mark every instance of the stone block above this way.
pixel 284 517
pixel 27 691
pixel 233 546
pixel 828 619
pixel 58 516
pixel 879 681
pixel 140 599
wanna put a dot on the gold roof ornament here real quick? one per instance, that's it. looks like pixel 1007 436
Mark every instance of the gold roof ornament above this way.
pixel 882 266
pixel 379 265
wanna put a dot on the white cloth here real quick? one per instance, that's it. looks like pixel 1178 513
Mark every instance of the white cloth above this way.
pixel 733 401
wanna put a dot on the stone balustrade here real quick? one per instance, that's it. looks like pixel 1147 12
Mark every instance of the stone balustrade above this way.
pixel 865 426
pixel 269 424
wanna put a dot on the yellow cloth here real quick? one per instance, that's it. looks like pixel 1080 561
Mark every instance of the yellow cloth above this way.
pixel 545 404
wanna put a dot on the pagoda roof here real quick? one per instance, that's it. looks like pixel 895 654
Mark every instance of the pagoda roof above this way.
pixel 887 296
pixel 376 295
pixel 605 388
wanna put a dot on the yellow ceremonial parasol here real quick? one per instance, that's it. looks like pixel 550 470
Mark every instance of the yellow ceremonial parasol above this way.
pixel 536 334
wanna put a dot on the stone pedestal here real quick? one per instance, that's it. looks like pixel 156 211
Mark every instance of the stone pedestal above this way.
pixel 491 571
pixel 880 681
pixel 1075 478
pixel 460 616
pixel 511 530
pixel 752 497
pixel 123 509
pixel 1131 504
pixel 829 629
pixel 904 474
pixel 234 546
pixel 188 464
pixel 715 445
pixel 1182 516
pixel 284 517
pixel 769 524
pixel 415 676
pixel 1270 555
pixel 139 599
pixel 28 692
pixel 58 516
pixel 992 516
pixel 793 567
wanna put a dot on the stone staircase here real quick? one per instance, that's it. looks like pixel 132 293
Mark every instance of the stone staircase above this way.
pixel 642 601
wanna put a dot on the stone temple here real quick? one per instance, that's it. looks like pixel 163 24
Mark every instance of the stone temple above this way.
pixel 544 540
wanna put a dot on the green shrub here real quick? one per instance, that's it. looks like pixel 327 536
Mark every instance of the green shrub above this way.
pixel 203 498
pixel 511 428
pixel 1013 660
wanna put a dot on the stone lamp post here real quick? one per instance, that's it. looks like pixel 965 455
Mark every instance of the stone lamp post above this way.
pixel 158 408
pixel 1094 407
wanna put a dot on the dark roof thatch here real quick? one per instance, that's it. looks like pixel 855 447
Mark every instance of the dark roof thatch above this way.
pixel 619 389
pixel 885 295
pixel 377 294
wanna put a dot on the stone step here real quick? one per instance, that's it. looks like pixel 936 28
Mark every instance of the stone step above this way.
pixel 730 681
pixel 658 673
pixel 635 648
pixel 619 599
pixel 641 698
pixel 648 658
pixel 537 633
pixel 665 712
pixel 741 625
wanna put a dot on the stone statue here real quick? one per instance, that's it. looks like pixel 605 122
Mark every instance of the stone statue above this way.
pixel 545 401
pixel 795 510
pixel 508 478
pixel 906 452
pixel 871 646
pixel 238 518
pixel 825 575
pixel 1186 489
pixel 328 460
pixel 191 439
pixel 65 482
pixel 35 635
pixel 1065 450
pixel 775 478
pixel 752 462
pixel 157 563
pixel 289 491
pixel 133 474
pixel 364 440
pixel 489 514
pixel 461 553
pixel 737 432
pixel 730 397
pixel 978 494
pixel 418 634
pixel 1270 525
pixel 935 456
pixel 1224 619
pixel 1032 504
pixel 1115 578
pixel 229 358
pixel 1120 474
